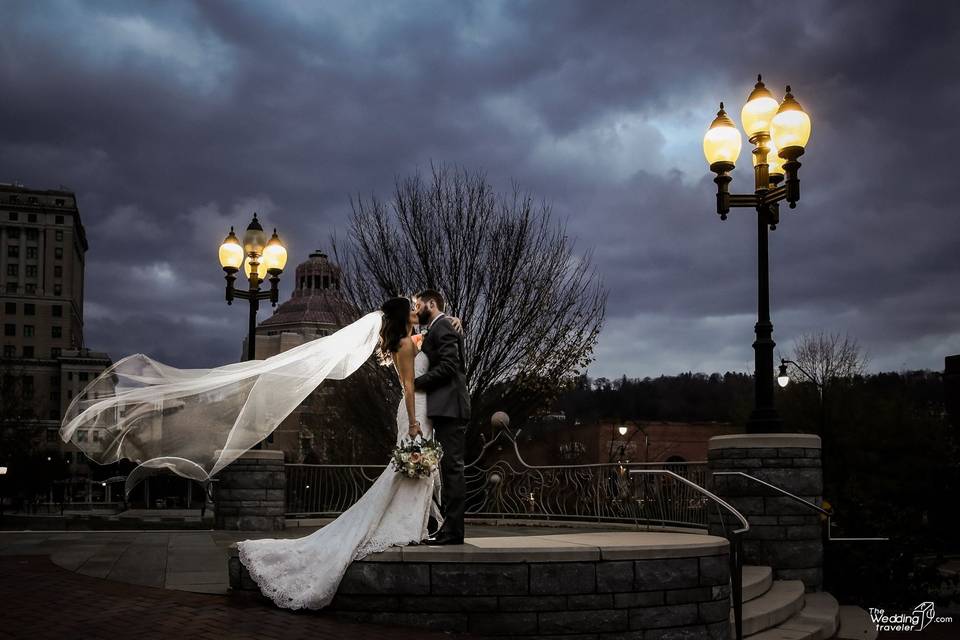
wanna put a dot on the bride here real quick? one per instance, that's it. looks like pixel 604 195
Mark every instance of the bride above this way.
pixel 146 411
pixel 305 572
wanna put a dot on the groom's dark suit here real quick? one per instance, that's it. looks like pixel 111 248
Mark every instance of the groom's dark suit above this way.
pixel 448 407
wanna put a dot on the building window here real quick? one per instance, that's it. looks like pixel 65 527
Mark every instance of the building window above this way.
pixel 59 204
pixel 60 219
pixel 28 331
pixel 55 396
pixel 9 329
pixel 10 308
pixel 32 253
pixel 13 269
pixel 13 233
pixel 28 351
pixel 31 271
pixel 54 352
pixel 32 235
pixel 69 375
pixel 29 288
pixel 14 216
pixel 54 382
pixel 54 415
pixel 9 351
pixel 29 309
pixel 57 310
pixel 58 271
pixel 58 234
pixel 57 289
pixel 12 287
pixel 56 332
pixel 83 376
pixel 31 217
pixel 13 251
pixel 58 252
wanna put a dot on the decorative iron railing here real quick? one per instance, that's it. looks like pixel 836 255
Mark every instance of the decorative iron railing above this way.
pixel 505 486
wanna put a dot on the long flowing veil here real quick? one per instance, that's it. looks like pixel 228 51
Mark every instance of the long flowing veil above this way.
pixel 195 422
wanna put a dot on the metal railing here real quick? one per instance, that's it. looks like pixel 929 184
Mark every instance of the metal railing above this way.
pixel 735 536
pixel 505 488
pixel 805 503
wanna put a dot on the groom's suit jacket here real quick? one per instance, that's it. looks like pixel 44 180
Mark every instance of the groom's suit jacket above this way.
pixel 446 380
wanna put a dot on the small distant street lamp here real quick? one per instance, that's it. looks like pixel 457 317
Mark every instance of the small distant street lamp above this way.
pixel 259 258
pixel 622 429
pixel 3 472
pixel 783 379
pixel 779 133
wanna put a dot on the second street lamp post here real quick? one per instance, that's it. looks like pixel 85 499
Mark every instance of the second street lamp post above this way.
pixel 783 379
pixel 770 126
pixel 259 258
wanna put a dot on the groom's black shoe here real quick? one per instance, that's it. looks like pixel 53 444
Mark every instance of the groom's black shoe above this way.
pixel 445 538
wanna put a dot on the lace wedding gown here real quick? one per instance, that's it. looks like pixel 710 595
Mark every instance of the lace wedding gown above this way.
pixel 305 572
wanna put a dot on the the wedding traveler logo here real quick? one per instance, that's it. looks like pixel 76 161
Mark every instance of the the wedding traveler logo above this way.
pixel 923 614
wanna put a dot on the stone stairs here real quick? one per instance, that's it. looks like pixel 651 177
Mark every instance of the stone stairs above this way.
pixel 781 610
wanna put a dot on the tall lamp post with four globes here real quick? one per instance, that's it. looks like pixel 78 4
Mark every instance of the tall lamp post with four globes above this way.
pixel 779 133
pixel 259 258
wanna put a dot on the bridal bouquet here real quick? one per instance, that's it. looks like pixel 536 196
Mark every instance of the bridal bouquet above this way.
pixel 416 458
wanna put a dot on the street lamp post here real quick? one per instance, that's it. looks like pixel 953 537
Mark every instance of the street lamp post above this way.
pixel 779 133
pixel 259 258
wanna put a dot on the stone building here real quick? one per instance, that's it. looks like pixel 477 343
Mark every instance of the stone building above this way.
pixel 44 359
pixel 316 308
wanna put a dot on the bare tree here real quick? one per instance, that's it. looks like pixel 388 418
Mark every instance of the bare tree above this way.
pixel 828 357
pixel 531 307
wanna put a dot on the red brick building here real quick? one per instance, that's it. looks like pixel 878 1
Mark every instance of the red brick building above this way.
pixel 554 440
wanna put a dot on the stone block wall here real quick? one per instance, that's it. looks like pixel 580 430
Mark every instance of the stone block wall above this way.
pixel 251 493
pixel 644 599
pixel 784 535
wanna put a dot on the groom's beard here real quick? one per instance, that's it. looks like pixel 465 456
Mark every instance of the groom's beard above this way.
pixel 424 318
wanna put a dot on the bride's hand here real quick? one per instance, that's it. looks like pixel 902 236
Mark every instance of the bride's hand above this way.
pixel 457 324
pixel 414 430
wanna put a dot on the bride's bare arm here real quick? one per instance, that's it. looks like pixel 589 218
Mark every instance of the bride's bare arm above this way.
pixel 404 359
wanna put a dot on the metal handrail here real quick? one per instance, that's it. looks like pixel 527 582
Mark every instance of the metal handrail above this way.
pixel 805 503
pixel 736 546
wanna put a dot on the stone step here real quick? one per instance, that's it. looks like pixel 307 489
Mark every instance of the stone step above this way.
pixel 855 624
pixel 756 581
pixel 782 600
pixel 818 620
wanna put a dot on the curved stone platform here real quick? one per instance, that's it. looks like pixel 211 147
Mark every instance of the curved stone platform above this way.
pixel 612 584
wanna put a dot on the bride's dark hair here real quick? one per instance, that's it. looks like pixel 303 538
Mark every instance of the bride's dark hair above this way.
pixel 396 315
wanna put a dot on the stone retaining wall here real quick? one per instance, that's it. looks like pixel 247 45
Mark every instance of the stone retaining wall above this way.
pixel 251 493
pixel 645 599
pixel 784 535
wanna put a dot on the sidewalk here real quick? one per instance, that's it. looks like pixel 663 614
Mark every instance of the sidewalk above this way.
pixel 43 601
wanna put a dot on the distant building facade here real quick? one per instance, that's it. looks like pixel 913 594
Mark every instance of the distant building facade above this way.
pixel 316 308
pixel 554 440
pixel 44 359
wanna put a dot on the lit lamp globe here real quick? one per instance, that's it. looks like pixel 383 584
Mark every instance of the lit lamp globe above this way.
pixel 622 430
pixel 783 379
pixel 721 143
pixel 231 253
pixel 790 128
pixel 254 238
pixel 261 269
pixel 274 255
pixel 759 110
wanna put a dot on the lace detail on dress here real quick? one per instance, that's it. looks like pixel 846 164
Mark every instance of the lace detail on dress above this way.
pixel 306 572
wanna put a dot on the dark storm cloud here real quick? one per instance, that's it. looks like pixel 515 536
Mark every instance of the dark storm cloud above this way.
pixel 174 121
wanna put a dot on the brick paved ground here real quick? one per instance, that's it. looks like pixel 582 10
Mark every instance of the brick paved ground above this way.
pixel 40 600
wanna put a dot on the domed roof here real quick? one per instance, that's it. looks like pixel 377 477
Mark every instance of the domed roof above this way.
pixel 316 298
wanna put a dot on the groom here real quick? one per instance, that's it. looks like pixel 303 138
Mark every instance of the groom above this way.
pixel 448 407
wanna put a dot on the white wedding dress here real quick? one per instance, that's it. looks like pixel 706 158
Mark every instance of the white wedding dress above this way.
pixel 306 572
